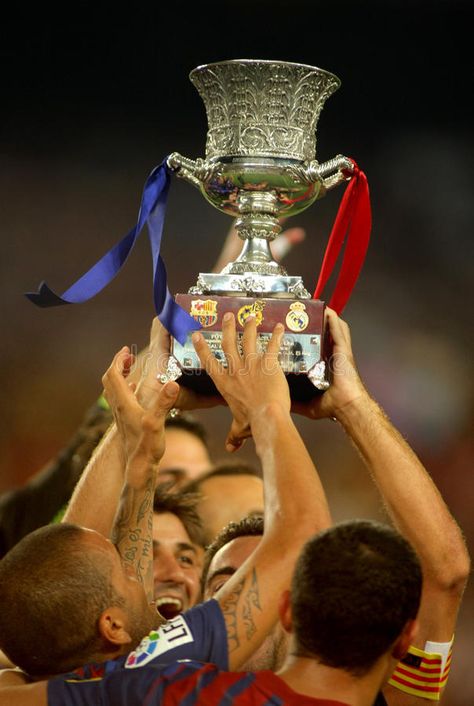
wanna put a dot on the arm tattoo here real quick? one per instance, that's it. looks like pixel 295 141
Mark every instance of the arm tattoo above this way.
pixel 229 611
pixel 251 601
pixel 132 532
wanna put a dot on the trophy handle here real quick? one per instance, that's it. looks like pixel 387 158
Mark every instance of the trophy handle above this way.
pixel 196 171
pixel 331 173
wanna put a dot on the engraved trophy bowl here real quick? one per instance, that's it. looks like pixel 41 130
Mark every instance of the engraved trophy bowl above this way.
pixel 260 165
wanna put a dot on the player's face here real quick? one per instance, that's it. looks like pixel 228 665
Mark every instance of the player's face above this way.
pixel 185 458
pixel 226 561
pixel 177 566
pixel 228 499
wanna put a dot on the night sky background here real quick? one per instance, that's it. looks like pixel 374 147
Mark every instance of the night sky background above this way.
pixel 95 96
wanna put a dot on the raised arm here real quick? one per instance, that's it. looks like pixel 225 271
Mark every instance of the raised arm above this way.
pixel 132 531
pixel 410 496
pixel 142 437
pixel 96 496
pixel 256 391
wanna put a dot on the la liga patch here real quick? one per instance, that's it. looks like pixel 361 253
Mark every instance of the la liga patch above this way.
pixel 173 633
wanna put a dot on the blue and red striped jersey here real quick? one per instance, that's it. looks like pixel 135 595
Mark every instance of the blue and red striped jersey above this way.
pixel 182 683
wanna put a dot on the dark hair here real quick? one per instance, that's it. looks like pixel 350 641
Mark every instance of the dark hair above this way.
pixel 224 469
pixel 250 526
pixel 184 506
pixel 185 422
pixel 52 593
pixel 354 588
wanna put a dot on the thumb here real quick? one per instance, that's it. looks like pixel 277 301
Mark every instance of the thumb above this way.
pixel 166 399
pixel 236 436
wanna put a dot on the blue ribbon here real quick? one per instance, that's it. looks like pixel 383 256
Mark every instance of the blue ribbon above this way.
pixel 152 212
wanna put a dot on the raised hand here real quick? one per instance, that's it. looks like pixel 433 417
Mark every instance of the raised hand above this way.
pixel 251 380
pixel 143 436
pixel 133 420
pixel 346 386
pixel 152 363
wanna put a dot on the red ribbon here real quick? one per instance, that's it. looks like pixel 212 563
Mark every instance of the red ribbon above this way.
pixel 353 219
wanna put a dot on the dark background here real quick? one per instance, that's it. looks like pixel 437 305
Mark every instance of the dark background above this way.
pixel 94 97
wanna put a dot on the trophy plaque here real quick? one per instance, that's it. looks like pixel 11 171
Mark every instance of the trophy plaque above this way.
pixel 260 166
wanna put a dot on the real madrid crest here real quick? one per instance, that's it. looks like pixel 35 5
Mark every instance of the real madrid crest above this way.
pixel 255 309
pixel 297 319
pixel 204 311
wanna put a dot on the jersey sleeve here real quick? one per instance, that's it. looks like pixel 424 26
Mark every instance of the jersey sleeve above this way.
pixel 199 634
pixel 125 687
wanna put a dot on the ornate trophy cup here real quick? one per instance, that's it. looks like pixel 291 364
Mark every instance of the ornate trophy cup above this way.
pixel 260 166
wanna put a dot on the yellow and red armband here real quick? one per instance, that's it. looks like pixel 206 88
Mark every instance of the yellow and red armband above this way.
pixel 424 673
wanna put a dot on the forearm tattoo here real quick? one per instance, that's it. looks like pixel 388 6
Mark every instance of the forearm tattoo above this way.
pixel 251 600
pixel 132 532
pixel 229 611
pixel 233 616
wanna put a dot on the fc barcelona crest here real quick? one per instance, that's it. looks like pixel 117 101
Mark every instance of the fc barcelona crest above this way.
pixel 204 311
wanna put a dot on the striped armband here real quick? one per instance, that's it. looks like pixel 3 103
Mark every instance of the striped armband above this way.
pixel 424 673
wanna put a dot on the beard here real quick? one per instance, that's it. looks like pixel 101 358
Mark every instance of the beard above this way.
pixel 270 655
pixel 142 621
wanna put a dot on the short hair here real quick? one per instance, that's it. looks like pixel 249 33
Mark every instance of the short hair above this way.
pixel 188 423
pixel 354 588
pixel 184 506
pixel 224 469
pixel 250 526
pixel 52 593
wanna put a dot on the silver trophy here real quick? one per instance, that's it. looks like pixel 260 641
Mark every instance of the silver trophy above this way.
pixel 260 166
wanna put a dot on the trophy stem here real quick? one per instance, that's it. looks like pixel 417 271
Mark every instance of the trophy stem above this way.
pixel 256 256
pixel 257 225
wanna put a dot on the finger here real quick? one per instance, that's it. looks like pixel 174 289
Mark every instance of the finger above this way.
pixel 166 399
pixel 274 343
pixel 249 338
pixel 208 360
pixel 236 436
pixel 154 418
pixel 116 367
pixel 338 328
pixel 113 380
pixel 128 365
pixel 229 341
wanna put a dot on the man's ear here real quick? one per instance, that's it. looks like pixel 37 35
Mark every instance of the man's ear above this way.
pixel 284 611
pixel 407 638
pixel 112 626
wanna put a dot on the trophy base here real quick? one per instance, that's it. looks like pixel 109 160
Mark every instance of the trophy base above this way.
pixel 258 283
pixel 304 349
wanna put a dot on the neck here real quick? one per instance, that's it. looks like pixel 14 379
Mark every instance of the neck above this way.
pixel 308 677
pixel 108 653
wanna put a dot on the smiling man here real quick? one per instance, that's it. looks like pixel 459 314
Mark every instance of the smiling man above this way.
pixel 178 550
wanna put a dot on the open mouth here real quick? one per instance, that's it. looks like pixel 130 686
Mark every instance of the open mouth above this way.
pixel 169 607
